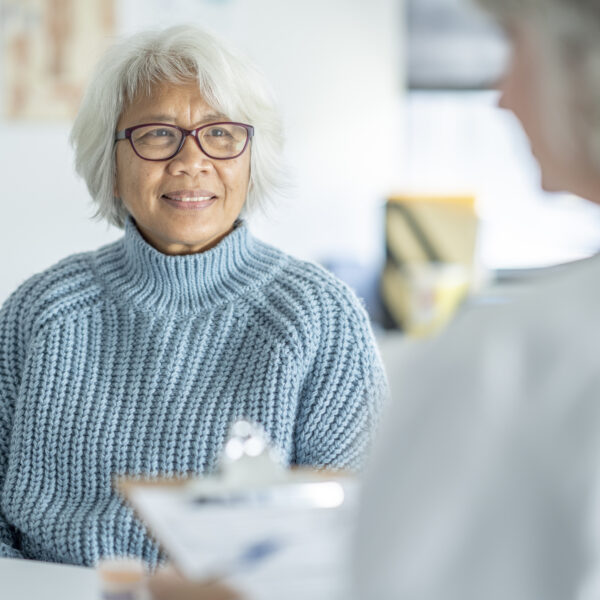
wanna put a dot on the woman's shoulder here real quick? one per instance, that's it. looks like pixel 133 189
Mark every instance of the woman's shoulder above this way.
pixel 312 308
pixel 67 285
pixel 311 284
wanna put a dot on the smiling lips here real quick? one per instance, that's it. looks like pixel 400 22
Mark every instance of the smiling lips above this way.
pixel 190 198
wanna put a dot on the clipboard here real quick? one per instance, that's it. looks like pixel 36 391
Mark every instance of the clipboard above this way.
pixel 295 528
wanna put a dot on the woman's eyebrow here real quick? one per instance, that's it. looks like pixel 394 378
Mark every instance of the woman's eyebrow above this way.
pixel 163 118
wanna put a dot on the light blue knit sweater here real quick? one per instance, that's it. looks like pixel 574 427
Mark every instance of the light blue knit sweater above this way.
pixel 129 361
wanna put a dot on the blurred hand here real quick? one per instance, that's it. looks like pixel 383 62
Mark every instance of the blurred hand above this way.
pixel 167 584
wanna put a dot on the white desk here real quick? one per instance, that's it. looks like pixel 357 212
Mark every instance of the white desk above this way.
pixel 32 580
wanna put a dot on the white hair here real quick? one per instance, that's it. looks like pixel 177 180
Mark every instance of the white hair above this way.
pixel 569 31
pixel 228 82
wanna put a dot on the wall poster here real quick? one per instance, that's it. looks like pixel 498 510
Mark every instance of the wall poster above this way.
pixel 49 48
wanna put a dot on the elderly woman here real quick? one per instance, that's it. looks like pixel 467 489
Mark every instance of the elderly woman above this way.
pixel 135 359
pixel 498 468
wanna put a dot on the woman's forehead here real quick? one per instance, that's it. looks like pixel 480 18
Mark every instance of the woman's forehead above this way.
pixel 171 102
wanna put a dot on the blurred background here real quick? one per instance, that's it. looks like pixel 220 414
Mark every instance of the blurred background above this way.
pixel 404 87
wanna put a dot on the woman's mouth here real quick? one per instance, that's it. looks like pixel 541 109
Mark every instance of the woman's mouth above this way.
pixel 189 199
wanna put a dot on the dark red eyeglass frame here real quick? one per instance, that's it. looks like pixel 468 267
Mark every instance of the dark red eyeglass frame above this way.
pixel 125 134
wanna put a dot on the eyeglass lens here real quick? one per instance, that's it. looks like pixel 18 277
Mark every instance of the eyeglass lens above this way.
pixel 157 142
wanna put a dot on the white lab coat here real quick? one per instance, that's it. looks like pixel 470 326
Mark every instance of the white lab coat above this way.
pixel 483 484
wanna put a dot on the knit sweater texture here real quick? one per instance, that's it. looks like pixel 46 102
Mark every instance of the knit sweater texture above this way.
pixel 129 361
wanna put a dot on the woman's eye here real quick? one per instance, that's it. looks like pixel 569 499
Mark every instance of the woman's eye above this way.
pixel 161 133
pixel 155 135
pixel 218 132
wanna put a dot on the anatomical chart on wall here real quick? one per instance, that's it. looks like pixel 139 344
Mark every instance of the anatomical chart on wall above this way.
pixel 49 48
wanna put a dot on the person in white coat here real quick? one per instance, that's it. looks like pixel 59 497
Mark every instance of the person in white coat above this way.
pixel 484 483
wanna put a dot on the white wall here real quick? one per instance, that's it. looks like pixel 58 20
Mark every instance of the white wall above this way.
pixel 335 67
pixel 461 142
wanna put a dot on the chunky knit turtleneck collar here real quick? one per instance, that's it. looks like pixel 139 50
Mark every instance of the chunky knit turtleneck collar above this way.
pixel 188 283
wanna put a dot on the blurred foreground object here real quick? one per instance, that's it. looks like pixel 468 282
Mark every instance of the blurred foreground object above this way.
pixel 126 579
pixel 249 458
pixel 167 584
pixel 430 254
pixel 254 524
pixel 122 579
pixel 484 482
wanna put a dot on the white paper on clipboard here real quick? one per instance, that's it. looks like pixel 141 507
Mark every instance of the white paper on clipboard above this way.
pixel 275 538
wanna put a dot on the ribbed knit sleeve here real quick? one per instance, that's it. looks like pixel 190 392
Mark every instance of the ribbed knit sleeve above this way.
pixel 345 384
pixel 12 349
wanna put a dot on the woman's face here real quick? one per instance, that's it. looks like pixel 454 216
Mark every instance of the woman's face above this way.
pixel 155 193
pixel 525 91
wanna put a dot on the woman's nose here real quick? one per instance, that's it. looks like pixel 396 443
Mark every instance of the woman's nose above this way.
pixel 190 158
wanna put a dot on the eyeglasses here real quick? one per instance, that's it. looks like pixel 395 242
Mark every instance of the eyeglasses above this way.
pixel 159 141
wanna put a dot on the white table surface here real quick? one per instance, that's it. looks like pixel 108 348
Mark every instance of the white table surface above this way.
pixel 32 580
